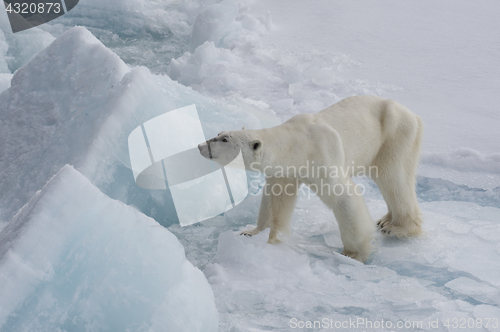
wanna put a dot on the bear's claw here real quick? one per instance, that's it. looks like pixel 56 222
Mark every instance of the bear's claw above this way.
pixel 398 231
pixel 250 232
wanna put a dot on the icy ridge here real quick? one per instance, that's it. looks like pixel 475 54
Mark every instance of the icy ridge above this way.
pixel 77 102
pixel 37 120
pixel 146 33
pixel 73 259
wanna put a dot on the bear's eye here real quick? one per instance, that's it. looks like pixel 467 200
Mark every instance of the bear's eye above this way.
pixel 224 139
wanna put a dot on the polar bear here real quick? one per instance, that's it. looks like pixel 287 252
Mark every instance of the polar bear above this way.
pixel 357 134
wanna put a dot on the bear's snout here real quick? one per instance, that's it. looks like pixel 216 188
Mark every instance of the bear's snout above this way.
pixel 203 150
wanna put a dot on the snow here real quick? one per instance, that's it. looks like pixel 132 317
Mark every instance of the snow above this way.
pixel 73 259
pixel 264 286
pixel 253 64
pixel 443 56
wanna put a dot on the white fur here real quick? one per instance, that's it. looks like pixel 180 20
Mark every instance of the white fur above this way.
pixel 356 133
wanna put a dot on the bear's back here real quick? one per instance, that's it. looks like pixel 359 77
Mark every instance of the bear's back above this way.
pixel 358 120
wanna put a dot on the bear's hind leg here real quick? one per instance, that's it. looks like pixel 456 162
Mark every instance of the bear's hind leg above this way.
pixel 385 219
pixel 404 217
pixel 355 224
pixel 397 184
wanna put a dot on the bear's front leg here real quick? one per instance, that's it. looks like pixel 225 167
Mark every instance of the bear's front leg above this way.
pixel 265 214
pixel 276 207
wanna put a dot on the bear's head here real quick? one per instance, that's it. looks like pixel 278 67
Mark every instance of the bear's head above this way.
pixel 228 144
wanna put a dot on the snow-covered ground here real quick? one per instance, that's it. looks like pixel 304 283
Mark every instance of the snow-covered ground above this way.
pixel 254 64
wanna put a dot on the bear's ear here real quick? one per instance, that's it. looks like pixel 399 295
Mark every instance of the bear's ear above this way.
pixel 243 128
pixel 256 145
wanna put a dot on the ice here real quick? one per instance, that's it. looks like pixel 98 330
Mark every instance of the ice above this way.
pixel 18 49
pixel 212 23
pixel 73 259
pixel 486 193
pixel 4 46
pixel 465 171
pixel 487 315
pixel 141 32
pixel 465 159
pixel 476 289
pixel 77 101
pixel 5 81
pixel 82 114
